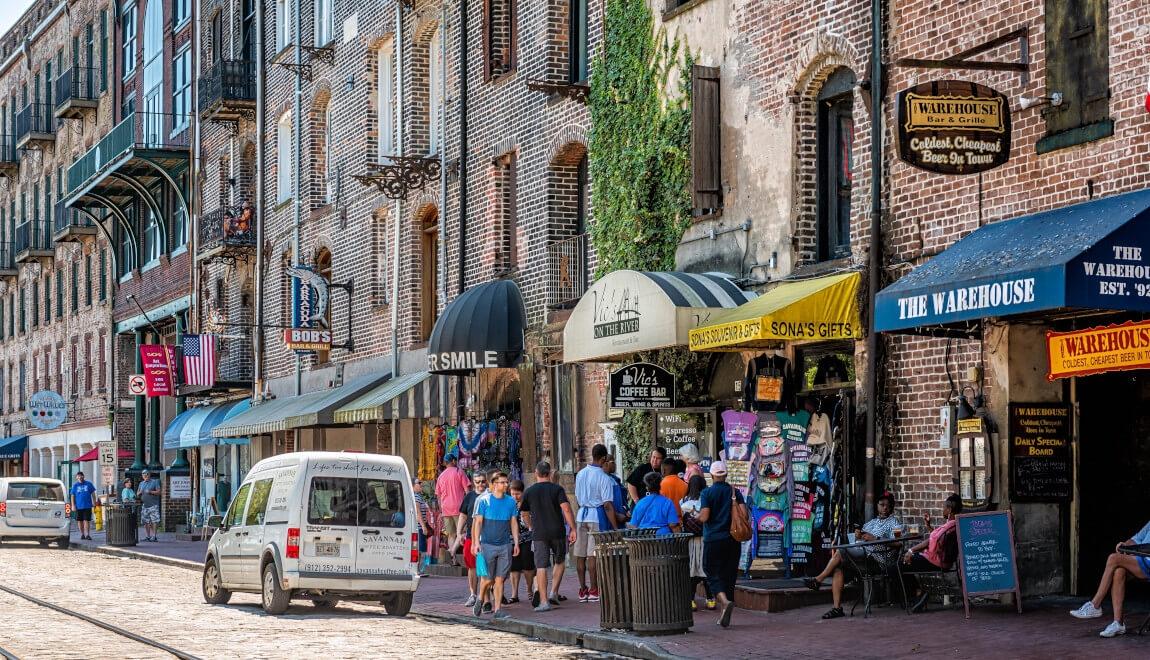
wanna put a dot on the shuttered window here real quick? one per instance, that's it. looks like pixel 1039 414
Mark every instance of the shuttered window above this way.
pixel 1078 67
pixel 706 161
pixel 499 37
pixel 835 167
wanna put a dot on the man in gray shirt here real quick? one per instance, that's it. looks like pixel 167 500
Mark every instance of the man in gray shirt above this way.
pixel 150 491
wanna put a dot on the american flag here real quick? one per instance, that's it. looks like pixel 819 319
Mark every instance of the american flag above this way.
pixel 199 360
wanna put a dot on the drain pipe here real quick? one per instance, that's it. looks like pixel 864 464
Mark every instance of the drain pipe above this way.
pixel 297 139
pixel 258 202
pixel 397 223
pixel 460 403
pixel 441 270
pixel 874 269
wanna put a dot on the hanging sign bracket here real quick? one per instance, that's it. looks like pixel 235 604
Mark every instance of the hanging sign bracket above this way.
pixel 962 60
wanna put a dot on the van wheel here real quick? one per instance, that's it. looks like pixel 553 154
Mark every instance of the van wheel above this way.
pixel 275 600
pixel 397 603
pixel 325 604
pixel 63 543
pixel 212 584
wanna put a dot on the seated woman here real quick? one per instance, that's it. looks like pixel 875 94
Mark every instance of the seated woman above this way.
pixel 879 528
pixel 937 552
pixel 1119 569
pixel 655 511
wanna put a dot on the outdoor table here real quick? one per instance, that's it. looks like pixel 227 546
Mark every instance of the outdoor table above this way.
pixel 866 570
pixel 1141 550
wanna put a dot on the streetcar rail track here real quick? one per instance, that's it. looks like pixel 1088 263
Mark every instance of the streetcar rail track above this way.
pixel 114 629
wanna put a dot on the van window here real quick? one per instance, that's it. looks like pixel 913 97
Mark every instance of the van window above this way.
pixel 44 492
pixel 259 502
pixel 236 513
pixel 382 503
pixel 333 501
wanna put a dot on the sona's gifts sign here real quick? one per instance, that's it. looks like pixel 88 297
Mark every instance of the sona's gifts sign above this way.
pixel 47 410
pixel 643 386
pixel 953 127
pixel 159 374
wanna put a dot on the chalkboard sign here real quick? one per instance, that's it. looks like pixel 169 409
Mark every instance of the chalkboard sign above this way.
pixel 986 559
pixel 1041 465
pixel 642 386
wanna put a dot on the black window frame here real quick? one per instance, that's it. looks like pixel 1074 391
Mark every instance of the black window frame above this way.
pixel 834 176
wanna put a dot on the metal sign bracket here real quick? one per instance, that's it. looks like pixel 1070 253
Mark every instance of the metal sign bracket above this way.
pixel 962 60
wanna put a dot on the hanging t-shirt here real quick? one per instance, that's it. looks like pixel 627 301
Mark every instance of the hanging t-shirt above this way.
pixel 794 425
pixel 738 429
pixel 819 430
pixel 776 386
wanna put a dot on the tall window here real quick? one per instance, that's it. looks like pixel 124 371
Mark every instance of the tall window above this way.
pixel 179 225
pixel 385 101
pixel 284 173
pixel 59 294
pixel 153 241
pixel 706 142
pixel 248 49
pixel 499 34
pixel 284 24
pixel 434 102
pixel 153 72
pixel 128 38
pixel 103 50
pixel 103 275
pixel 35 313
pixel 835 146
pixel 88 280
pixel 324 22
pixel 429 259
pixel 1078 67
pixel 329 172
pixel 47 298
pixel 508 248
pixel 216 51
pixel 181 11
pixel 75 287
pixel 182 89
pixel 577 51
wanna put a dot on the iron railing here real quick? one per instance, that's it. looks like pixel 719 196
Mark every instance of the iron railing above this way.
pixel 227 81
pixel 567 270
pixel 32 236
pixel 77 83
pixel 140 130
pixel 35 118
pixel 66 218
pixel 229 226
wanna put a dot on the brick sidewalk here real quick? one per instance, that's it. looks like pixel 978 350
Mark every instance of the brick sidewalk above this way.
pixel 167 546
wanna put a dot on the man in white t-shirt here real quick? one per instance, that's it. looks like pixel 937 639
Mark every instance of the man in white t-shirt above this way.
pixel 594 490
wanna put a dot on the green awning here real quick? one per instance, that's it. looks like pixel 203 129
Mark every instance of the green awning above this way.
pixel 311 409
pixel 411 396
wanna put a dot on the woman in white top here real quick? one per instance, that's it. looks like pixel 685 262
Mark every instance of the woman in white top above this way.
pixel 690 507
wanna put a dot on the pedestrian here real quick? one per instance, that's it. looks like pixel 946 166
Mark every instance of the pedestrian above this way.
pixel 689 456
pixel 720 550
pixel 619 501
pixel 424 518
pixel 690 507
pixel 128 492
pixel 479 482
pixel 223 493
pixel 495 536
pixel 522 564
pixel 83 499
pixel 594 490
pixel 635 480
pixel 450 489
pixel 672 486
pixel 655 511
pixel 149 492
pixel 545 508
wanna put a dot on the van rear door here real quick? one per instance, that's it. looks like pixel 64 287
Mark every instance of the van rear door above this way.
pixel 385 520
pixel 328 538
pixel 35 504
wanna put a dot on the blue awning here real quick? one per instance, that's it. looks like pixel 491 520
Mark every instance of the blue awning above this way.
pixel 13 447
pixel 1090 256
pixel 193 428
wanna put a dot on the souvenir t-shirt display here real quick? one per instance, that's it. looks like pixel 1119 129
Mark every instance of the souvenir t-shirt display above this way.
pixel 738 429
pixel 768 382
pixel 794 425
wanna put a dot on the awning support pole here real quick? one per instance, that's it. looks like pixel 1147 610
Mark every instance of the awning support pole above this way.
pixel 181 462
pixel 875 254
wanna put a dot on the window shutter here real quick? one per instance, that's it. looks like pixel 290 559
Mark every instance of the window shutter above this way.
pixel 706 163
pixel 1077 62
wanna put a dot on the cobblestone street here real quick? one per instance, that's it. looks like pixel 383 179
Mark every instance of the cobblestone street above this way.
pixel 164 603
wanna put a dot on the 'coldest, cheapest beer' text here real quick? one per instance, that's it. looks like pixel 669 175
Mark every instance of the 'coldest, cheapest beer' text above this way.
pixel 979 297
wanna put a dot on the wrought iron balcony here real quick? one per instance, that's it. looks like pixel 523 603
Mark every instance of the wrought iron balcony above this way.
pixel 566 271
pixel 70 225
pixel 227 91
pixel 76 93
pixel 164 135
pixel 34 243
pixel 9 157
pixel 8 268
pixel 35 123
pixel 228 233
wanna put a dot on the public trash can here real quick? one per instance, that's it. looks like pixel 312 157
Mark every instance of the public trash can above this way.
pixel 121 525
pixel 614 576
pixel 660 584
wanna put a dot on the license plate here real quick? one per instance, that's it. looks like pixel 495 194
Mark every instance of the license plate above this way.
pixel 34 513
pixel 326 549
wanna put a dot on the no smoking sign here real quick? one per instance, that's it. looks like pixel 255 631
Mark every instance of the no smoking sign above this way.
pixel 136 385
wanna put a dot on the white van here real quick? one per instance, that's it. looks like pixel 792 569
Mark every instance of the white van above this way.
pixel 318 526
pixel 34 508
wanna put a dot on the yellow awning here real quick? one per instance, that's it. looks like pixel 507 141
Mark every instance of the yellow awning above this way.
pixel 821 308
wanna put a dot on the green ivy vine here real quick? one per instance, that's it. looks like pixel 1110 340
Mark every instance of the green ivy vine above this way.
pixel 640 161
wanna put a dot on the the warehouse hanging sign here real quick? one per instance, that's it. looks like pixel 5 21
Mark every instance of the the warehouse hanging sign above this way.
pixel 953 127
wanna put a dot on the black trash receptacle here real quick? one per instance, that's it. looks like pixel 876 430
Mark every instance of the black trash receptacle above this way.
pixel 614 578
pixel 660 584
pixel 120 524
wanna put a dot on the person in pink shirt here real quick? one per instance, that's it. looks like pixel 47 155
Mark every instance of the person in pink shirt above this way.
pixel 938 551
pixel 450 488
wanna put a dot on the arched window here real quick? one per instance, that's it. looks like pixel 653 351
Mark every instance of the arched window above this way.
pixel 385 101
pixel 434 102
pixel 153 72
pixel 323 267
pixel 284 173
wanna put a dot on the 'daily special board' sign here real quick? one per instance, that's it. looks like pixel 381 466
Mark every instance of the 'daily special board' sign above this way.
pixel 953 127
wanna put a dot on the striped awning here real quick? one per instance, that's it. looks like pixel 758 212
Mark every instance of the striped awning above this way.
pixel 628 311
pixel 193 428
pixel 311 409
pixel 412 396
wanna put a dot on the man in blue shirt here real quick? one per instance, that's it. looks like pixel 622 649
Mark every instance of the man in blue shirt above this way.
pixel 83 498
pixel 720 551
pixel 495 536
pixel 1119 568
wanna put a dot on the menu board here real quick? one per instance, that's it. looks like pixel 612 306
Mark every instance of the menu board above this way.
pixel 1041 463
pixel 986 557
pixel 675 429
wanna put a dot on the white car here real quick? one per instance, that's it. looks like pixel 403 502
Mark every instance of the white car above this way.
pixel 34 508
pixel 318 526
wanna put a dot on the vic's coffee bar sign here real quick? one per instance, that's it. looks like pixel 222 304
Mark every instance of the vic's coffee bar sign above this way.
pixel 953 127
pixel 642 386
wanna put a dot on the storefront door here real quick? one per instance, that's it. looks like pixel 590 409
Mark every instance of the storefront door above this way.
pixel 1114 472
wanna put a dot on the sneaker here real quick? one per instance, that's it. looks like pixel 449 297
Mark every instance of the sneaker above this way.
pixel 1113 630
pixel 501 615
pixel 593 595
pixel 1087 611
pixel 545 607
pixel 584 594
pixel 477 608
pixel 470 601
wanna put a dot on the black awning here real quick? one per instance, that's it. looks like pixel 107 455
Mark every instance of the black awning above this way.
pixel 481 329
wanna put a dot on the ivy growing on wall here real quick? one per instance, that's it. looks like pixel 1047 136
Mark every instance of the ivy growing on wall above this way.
pixel 640 170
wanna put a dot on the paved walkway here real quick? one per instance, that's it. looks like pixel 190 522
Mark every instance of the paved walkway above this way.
pixel 167 546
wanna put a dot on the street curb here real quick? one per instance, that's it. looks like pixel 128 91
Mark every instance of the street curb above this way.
pixel 143 556
pixel 591 640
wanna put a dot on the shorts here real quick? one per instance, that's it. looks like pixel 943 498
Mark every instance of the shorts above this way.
pixel 525 560
pixel 83 515
pixel 468 558
pixel 548 551
pixel 584 541
pixel 422 542
pixel 150 515
pixel 497 558
pixel 451 525
pixel 1144 564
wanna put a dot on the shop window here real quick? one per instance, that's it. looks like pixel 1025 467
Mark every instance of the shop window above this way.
pixel 826 367
pixel 429 259
pixel 508 220
pixel 578 53
pixel 499 36
pixel 1078 68
pixel 706 158
pixel 835 147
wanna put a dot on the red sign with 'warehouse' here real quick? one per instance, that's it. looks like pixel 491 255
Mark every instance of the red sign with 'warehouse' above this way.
pixel 159 375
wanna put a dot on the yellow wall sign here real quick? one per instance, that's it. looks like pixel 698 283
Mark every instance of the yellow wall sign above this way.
pixel 1098 350
pixel 954 113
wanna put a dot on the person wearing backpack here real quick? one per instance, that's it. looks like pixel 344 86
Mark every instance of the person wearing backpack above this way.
pixel 722 512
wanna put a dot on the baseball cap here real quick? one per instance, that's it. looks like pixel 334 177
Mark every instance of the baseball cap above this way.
pixel 718 468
